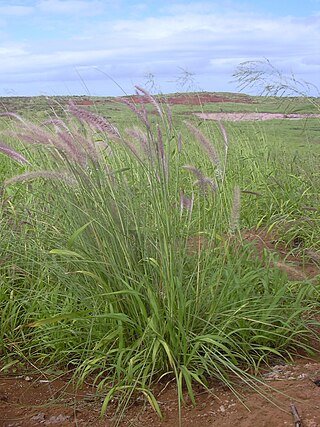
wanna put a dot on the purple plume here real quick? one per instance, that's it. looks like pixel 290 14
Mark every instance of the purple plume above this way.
pixel 14 155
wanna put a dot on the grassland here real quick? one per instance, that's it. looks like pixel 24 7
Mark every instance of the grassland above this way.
pixel 122 249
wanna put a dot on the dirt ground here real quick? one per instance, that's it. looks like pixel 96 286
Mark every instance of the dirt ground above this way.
pixel 194 99
pixel 236 117
pixel 38 400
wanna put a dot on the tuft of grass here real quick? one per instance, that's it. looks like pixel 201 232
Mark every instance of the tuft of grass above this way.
pixel 98 272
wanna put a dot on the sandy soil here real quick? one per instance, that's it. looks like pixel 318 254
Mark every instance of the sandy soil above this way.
pixel 235 117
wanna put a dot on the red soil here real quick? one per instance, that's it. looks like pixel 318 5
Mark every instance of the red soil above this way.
pixel 177 99
pixel 192 99
pixel 205 98
pixel 85 102
pixel 29 400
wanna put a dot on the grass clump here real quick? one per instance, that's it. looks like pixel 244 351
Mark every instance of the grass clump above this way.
pixel 124 258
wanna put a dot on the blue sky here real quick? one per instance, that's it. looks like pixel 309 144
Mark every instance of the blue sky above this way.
pixel 74 47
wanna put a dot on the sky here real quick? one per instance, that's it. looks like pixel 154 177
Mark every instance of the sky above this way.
pixel 105 47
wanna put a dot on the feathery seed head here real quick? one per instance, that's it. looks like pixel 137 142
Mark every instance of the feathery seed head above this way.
pixel 14 155
pixel 142 138
pixel 179 142
pixel 202 181
pixel 186 203
pixel 224 134
pixel 132 148
pixel 205 144
pixel 69 146
pixel 57 123
pixel 29 176
pixel 14 116
pixel 94 120
pixel 198 174
pixel 235 210
pixel 141 114
pixel 151 99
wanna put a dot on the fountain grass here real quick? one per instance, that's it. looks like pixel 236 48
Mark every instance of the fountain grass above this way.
pixel 128 270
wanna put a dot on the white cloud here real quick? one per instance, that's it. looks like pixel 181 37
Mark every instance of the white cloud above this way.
pixel 19 60
pixel 12 51
pixel 206 43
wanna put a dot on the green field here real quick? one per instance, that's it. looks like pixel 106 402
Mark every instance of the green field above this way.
pixel 122 256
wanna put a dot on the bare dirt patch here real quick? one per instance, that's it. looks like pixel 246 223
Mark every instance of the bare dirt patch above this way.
pixel 85 102
pixel 235 117
pixel 297 268
pixel 29 401
pixel 207 98
pixel 193 99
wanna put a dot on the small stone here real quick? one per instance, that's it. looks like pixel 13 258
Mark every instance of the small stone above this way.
pixel 301 376
pixel 222 409
pixel 57 419
pixel 39 417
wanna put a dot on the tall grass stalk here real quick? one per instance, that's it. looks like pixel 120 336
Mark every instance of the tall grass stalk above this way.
pixel 126 271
